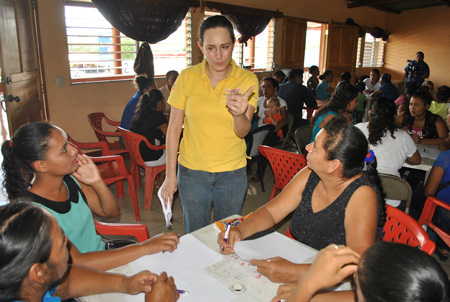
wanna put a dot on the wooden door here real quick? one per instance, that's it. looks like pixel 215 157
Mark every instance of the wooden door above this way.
pixel 19 61
pixel 294 40
pixel 341 50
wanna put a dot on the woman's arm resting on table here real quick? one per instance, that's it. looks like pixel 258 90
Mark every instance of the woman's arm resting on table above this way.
pixel 169 187
pixel 415 159
pixel 105 260
pixel 331 266
pixel 100 199
pixel 84 281
pixel 268 215
pixel 164 290
pixel 433 181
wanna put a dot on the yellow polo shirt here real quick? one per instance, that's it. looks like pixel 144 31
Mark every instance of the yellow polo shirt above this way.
pixel 209 142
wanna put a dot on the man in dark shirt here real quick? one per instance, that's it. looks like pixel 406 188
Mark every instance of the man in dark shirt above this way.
pixel 296 94
pixel 417 70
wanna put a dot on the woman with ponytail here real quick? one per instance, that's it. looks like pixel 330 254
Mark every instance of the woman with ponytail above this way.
pixel 392 146
pixel 41 166
pixel 343 101
pixel 333 200
pixel 149 121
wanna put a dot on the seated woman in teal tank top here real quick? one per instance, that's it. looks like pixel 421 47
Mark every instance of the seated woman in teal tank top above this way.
pixel 69 185
pixel 344 100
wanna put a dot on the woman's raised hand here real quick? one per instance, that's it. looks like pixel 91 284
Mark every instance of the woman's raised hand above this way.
pixel 87 171
pixel 237 104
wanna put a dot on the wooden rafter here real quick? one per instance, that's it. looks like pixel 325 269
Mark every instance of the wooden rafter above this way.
pixel 370 3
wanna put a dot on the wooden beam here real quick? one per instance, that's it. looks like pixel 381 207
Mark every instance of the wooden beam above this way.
pixel 368 3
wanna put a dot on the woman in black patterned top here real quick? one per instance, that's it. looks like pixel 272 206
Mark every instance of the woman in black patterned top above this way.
pixel 334 202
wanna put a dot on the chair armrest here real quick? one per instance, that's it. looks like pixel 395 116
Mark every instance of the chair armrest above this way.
pixel 92 145
pixel 112 158
pixel 107 133
pixel 111 122
pixel 153 147
pixel 429 208
pixel 139 231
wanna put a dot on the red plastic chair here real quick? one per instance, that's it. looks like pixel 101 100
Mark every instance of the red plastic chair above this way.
pixel 139 231
pixel 132 141
pixel 95 120
pixel 112 170
pixel 402 228
pixel 427 216
pixel 285 166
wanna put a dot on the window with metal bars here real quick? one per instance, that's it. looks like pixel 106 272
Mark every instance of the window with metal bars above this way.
pixel 372 54
pixel 258 54
pixel 99 52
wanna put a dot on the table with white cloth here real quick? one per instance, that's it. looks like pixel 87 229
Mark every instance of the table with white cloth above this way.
pixel 428 153
pixel 198 267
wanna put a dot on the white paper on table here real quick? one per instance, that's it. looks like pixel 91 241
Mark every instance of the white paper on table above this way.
pixel 167 211
pixel 273 245
pixel 186 264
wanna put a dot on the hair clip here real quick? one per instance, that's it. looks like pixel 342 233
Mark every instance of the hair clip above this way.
pixel 370 155
pixel 10 143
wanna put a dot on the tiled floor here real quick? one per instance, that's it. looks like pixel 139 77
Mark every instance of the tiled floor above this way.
pixel 155 222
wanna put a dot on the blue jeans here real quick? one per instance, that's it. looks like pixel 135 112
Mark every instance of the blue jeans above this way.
pixel 199 190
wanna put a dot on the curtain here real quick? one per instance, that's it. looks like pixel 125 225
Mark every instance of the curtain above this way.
pixel 147 21
pixel 248 25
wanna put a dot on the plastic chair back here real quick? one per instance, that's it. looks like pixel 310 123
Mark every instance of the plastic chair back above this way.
pixel 285 166
pixel 139 231
pixel 402 228
pixel 426 218
pixel 396 188
pixel 303 137
pixel 132 141
pixel 95 120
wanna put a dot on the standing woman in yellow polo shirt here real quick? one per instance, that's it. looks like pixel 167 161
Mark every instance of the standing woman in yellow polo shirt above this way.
pixel 215 100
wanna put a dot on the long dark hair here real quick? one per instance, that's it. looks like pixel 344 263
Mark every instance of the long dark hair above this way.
pixel 382 120
pixel 339 100
pixel 348 144
pixel 146 104
pixel 25 239
pixel 397 272
pixel 29 144
pixel 325 74
pixel 214 22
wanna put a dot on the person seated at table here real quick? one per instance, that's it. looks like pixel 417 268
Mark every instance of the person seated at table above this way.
pixel 440 103
pixel 346 76
pixel 343 101
pixel 358 114
pixel 334 202
pixel 280 77
pixel 424 127
pixel 296 96
pixel 142 85
pixel 69 185
pixel 372 82
pixel 324 90
pixel 149 121
pixel 387 89
pixel 313 80
pixel 171 77
pixel 387 271
pixel 392 146
pixel 402 102
pixel 35 263
pixel 270 87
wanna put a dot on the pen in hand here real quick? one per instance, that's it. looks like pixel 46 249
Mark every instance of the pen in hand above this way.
pixel 227 232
